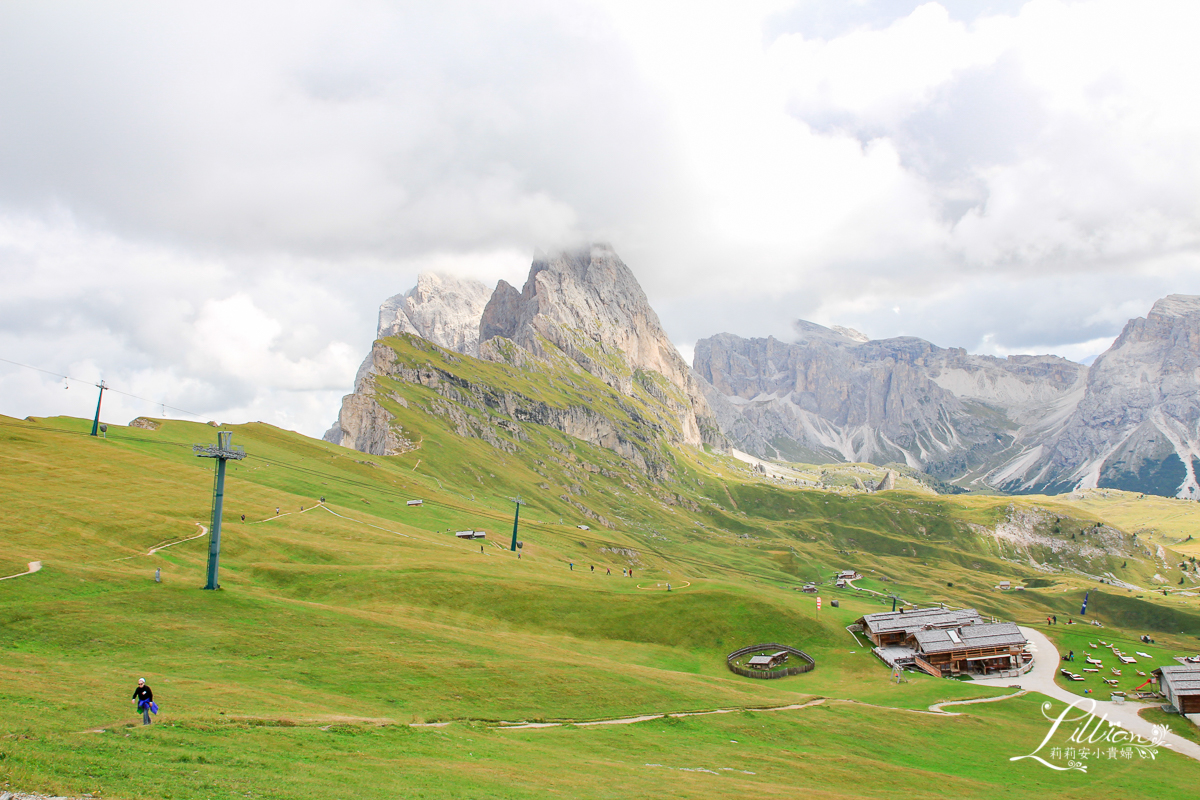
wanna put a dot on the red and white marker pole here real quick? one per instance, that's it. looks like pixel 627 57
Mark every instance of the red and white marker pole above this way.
pixel 818 608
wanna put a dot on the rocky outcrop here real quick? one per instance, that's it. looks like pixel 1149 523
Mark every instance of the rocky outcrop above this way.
pixel 363 424
pixel 586 305
pixel 497 416
pixel 441 309
pixel 831 396
pixel 1137 425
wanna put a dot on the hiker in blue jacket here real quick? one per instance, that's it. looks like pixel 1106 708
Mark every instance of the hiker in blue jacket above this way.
pixel 143 698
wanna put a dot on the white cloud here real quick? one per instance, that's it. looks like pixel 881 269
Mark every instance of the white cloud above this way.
pixel 209 201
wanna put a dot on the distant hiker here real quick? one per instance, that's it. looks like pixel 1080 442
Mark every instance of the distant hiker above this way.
pixel 243 517
pixel 1055 618
pixel 143 698
pixel 1071 656
pixel 277 511
pixel 322 498
pixel 668 587
pixel 593 567
pixel 572 565
pixel 631 573
pixel 158 575
pixel 608 571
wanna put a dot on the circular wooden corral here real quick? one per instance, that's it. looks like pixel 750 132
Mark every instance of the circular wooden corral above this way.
pixel 807 663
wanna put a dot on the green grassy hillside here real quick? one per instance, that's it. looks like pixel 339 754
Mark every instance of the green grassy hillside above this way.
pixel 339 626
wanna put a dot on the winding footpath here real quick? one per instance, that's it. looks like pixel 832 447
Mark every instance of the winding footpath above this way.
pixel 1046 664
pixel 34 566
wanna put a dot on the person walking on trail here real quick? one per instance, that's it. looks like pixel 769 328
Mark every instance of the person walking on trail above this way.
pixel 572 565
pixel 593 567
pixel 608 571
pixel 143 698
pixel 1055 618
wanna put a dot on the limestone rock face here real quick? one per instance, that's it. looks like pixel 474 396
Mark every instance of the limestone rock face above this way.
pixel 580 311
pixel 362 423
pixel 1022 424
pixel 831 396
pixel 587 305
pixel 441 309
pixel 1137 426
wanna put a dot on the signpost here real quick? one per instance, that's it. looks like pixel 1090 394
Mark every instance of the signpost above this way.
pixel 818 608
pixel 224 451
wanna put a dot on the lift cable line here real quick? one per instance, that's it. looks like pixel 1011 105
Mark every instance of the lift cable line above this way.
pixel 104 388
pixel 224 451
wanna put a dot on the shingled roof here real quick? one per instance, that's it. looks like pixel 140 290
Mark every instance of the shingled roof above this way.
pixel 909 621
pixel 970 637
pixel 1184 679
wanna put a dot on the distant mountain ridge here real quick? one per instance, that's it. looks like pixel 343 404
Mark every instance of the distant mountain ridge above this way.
pixel 1025 424
pixel 1022 424
pixel 832 397
pixel 1137 425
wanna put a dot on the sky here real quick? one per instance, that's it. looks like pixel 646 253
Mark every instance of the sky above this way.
pixel 204 204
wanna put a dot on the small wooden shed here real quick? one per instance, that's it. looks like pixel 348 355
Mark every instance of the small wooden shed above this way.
pixel 767 660
pixel 1180 684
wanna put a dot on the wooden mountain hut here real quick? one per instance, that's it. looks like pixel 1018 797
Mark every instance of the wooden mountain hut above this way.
pixel 1181 686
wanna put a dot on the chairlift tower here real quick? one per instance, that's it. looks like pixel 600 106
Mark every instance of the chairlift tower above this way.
pixel 224 451
pixel 516 519
pixel 96 422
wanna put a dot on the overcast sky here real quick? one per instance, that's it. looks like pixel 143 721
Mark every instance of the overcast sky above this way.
pixel 204 204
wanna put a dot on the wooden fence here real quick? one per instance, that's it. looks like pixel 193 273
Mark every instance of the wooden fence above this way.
pixel 807 666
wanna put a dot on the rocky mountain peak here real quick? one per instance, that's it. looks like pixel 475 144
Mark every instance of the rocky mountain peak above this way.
pixel 586 304
pixel 810 331
pixel 851 334
pixel 441 308
pixel 1176 305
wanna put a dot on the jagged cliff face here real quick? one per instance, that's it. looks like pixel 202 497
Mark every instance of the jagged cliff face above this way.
pixel 587 305
pixel 1137 426
pixel 833 395
pixel 581 313
pixel 440 309
pixel 1021 424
